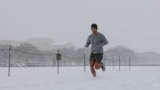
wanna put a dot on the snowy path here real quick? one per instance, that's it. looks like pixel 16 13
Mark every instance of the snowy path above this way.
pixel 73 78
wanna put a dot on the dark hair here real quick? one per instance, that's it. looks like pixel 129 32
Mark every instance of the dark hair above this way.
pixel 94 25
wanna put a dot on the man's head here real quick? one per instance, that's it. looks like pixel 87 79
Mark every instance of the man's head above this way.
pixel 94 28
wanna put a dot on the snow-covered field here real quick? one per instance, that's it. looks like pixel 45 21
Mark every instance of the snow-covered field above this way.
pixel 74 78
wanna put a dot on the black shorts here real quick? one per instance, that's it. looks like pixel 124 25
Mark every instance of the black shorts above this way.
pixel 96 57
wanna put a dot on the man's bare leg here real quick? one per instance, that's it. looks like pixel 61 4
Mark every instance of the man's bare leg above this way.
pixel 93 71
pixel 98 66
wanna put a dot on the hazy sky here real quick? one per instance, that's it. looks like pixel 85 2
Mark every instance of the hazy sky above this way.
pixel 131 23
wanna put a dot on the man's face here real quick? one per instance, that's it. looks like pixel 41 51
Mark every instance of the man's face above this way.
pixel 94 30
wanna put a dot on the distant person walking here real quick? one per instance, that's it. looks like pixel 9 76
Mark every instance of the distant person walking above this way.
pixel 97 40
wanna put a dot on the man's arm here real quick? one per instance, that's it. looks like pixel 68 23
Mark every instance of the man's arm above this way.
pixel 87 43
pixel 104 42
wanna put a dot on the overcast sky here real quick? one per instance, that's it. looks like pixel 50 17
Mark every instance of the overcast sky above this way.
pixel 131 23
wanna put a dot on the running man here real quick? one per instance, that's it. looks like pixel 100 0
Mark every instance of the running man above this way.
pixel 97 40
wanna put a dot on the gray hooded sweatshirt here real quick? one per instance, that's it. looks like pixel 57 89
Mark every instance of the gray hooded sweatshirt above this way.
pixel 97 40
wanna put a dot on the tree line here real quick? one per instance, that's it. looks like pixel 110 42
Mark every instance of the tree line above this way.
pixel 27 55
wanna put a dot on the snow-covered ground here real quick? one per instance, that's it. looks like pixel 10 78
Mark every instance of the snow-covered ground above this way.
pixel 74 78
